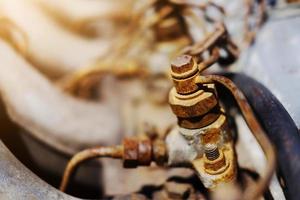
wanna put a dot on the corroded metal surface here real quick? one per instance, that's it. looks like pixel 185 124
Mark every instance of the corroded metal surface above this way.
pixel 133 152
pixel 195 104
pixel 219 171
pixel 196 99
pixel 222 168
pixel 192 105
pixel 88 154
pixel 258 132
pixel 279 126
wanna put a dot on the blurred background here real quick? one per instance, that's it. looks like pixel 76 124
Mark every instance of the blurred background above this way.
pixel 81 73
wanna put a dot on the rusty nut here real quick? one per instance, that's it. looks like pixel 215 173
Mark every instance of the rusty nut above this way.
pixel 193 105
pixel 216 166
pixel 184 73
pixel 136 153
pixel 182 64
pixel 130 156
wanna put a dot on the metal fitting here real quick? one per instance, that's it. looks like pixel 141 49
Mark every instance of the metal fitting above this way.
pixel 195 106
pixel 192 105
pixel 136 153
pixel 202 122
pixel 142 153
pixel 214 160
pixel 218 165
pixel 130 156
pixel 182 64
pixel 184 72
pixel 211 151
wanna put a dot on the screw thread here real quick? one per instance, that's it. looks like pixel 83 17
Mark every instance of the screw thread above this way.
pixel 211 151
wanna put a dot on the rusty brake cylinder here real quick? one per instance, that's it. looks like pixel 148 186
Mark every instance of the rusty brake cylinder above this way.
pixel 202 123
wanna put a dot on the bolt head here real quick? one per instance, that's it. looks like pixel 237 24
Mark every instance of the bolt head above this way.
pixel 182 64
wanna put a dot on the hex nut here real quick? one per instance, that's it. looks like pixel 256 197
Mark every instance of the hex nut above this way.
pixel 130 157
pixel 182 64
pixel 194 105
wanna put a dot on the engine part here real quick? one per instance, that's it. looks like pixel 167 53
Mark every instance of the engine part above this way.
pixel 202 134
pixel 205 141
pixel 202 123
pixel 281 129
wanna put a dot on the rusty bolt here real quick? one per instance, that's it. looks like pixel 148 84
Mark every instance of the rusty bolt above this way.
pixel 211 151
pixel 184 73
pixel 182 64
pixel 214 161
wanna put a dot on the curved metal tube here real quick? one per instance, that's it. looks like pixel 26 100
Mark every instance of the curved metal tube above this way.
pixel 256 191
pixel 88 154
pixel 280 127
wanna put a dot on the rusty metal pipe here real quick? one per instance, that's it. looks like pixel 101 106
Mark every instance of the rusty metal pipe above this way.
pixel 88 154
pixel 256 191
pixel 280 128
pixel 133 152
